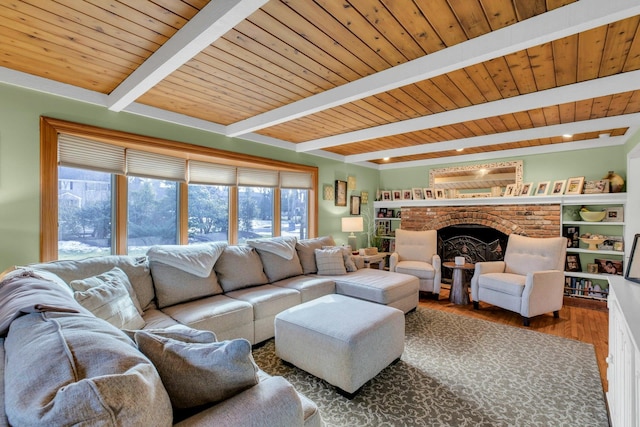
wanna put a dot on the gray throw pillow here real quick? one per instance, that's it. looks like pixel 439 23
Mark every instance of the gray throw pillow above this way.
pixel 174 286
pixel 306 252
pixel 240 267
pixel 116 276
pixel 196 373
pixel 330 261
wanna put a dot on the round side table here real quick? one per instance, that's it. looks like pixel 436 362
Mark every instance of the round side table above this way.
pixel 459 293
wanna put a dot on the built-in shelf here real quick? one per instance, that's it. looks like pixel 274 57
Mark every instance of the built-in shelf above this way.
pixel 591 223
pixel 594 251
pixel 592 276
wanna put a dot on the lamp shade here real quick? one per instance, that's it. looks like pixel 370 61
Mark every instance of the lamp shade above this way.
pixel 352 224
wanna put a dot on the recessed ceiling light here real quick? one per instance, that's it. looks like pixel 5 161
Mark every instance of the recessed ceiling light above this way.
pixel 567 135
pixel 459 149
pixel 386 159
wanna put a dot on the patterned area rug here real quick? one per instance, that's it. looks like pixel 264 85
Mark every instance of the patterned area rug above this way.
pixel 459 371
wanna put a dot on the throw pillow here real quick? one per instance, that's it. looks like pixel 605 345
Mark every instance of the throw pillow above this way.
pixel 110 301
pixel 349 259
pixel 196 373
pixel 115 275
pixel 240 267
pixel 306 252
pixel 330 261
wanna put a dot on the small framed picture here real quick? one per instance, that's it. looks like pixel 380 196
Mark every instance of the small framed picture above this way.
pixel 385 195
pixel 396 194
pixel 609 266
pixel 417 193
pixel 407 195
pixel 355 205
pixel 390 213
pixel 428 193
pixel 558 187
pixel 526 189
pixel 614 214
pixel 399 213
pixel 573 263
pixel 596 187
pixel 328 192
pixel 351 183
pixel 364 197
pixel 510 190
pixel 440 194
pixel 341 193
pixel 543 188
pixel 592 268
pixel 574 185
pixel 382 212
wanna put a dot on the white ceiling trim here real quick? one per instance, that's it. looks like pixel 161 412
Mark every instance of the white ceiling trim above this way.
pixel 516 152
pixel 570 93
pixel 594 125
pixel 564 21
pixel 207 26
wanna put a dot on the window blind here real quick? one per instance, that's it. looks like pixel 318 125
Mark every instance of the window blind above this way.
pixel 152 165
pixel 295 180
pixel 211 173
pixel 257 177
pixel 84 153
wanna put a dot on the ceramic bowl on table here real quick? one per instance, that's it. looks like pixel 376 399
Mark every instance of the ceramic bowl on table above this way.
pixel 592 216
pixel 593 242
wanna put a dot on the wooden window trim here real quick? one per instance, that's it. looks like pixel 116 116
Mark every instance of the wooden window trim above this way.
pixel 51 127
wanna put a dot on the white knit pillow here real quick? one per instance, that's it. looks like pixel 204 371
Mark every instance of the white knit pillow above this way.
pixel 330 261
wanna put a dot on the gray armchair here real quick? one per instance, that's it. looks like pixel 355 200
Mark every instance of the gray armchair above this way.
pixel 416 254
pixel 529 281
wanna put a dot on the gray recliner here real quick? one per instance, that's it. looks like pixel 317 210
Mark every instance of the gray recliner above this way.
pixel 529 281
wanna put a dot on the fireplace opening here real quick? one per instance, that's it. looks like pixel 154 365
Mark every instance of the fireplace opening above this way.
pixel 476 243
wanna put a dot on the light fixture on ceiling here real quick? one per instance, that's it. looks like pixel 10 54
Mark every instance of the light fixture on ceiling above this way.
pixel 604 135
pixel 386 159
pixel 459 149
pixel 567 135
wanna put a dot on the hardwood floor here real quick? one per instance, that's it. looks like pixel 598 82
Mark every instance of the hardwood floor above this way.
pixel 588 325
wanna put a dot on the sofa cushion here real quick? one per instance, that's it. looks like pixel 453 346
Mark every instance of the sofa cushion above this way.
pixel 507 283
pixel 115 276
pixel 109 301
pixel 420 269
pixel 306 252
pixel 87 372
pixel 239 267
pixel 275 265
pixel 197 373
pixel 136 269
pixel 197 259
pixel 175 286
pixel 330 261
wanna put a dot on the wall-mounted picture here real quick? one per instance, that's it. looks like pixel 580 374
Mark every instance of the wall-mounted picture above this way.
pixel 351 183
pixel 385 195
pixel 543 188
pixel 510 190
pixel 614 214
pixel 574 185
pixel 609 266
pixel 396 194
pixel 428 193
pixel 364 197
pixel 573 263
pixel 417 193
pixel 558 187
pixel 355 205
pixel 327 193
pixel 407 195
pixel 526 189
pixel 341 193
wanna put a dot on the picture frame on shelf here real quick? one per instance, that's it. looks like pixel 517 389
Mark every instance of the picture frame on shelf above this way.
pixel 398 213
pixel 440 194
pixel 574 185
pixel 609 266
pixel 615 214
pixel 390 213
pixel 596 187
pixel 592 268
pixel 418 194
pixel 396 194
pixel 407 195
pixel 543 188
pixel 382 212
pixel 558 187
pixel 354 205
pixel 572 263
pixel 510 190
pixel 340 193
pixel 428 193
pixel 526 189
pixel 633 268
pixel 385 195
pixel 572 233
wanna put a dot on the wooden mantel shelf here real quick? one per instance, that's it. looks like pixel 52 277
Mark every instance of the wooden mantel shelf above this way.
pixel 578 199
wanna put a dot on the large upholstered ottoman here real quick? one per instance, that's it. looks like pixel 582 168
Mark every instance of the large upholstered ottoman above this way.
pixel 343 340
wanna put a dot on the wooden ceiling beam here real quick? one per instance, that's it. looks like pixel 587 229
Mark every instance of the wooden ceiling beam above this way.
pixel 571 19
pixel 208 25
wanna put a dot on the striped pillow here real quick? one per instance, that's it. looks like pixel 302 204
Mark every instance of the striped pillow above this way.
pixel 330 261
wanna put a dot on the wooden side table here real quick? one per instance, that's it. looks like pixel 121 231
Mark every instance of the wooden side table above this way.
pixel 378 258
pixel 459 288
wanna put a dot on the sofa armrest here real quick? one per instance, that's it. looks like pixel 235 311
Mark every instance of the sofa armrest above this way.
pixel 271 402
pixel 543 292
pixel 484 268
pixel 393 261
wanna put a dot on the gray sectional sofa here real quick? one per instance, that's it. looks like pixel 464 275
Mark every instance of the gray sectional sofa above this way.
pixel 235 292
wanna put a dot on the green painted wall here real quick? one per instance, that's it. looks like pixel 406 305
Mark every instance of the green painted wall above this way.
pixel 20 111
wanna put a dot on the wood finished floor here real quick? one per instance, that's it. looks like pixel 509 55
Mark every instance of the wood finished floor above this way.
pixel 579 323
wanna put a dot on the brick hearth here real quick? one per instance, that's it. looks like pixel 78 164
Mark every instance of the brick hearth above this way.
pixel 526 219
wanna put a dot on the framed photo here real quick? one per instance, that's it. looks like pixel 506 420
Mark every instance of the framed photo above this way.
pixel 396 195
pixel 614 214
pixel 399 213
pixel 558 187
pixel 364 197
pixel 596 187
pixel 428 193
pixel 572 233
pixel 574 185
pixel 406 195
pixel 390 213
pixel 526 189
pixel 385 195
pixel 382 212
pixel 633 268
pixel 510 190
pixel 351 183
pixel 543 188
pixel 609 266
pixel 592 268
pixel 572 263
pixel 440 194
pixel 417 193
pixel 327 192
pixel 341 193
pixel 355 205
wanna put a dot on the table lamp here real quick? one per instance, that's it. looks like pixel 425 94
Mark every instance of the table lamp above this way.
pixel 352 224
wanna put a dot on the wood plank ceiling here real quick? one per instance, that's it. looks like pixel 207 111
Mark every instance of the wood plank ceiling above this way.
pixel 355 80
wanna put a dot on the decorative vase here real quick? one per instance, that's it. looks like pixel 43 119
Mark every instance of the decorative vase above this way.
pixel 616 182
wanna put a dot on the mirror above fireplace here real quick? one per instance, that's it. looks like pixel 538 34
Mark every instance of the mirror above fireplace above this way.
pixel 477 177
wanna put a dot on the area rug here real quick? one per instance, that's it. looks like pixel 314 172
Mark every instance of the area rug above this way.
pixel 459 371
